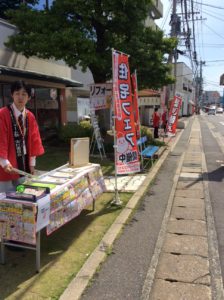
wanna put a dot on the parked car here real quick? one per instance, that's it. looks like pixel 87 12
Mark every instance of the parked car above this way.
pixel 212 111
pixel 219 110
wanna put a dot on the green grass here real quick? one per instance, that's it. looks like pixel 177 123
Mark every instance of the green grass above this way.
pixel 62 254
pixel 55 157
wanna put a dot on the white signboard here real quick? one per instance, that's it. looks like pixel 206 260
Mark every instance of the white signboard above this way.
pixel 43 213
pixel 100 96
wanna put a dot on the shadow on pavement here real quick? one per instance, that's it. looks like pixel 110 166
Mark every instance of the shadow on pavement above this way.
pixel 216 175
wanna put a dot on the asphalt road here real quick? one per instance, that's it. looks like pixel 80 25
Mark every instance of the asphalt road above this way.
pixel 212 130
pixel 123 274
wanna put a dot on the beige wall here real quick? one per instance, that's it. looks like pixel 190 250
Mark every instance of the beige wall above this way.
pixel 15 60
pixel 49 67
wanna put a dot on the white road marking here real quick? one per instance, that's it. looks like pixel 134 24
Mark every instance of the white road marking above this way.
pixel 221 123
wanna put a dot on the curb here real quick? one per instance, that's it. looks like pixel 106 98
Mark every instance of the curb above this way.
pixel 77 286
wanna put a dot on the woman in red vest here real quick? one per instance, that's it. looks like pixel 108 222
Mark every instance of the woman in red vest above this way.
pixel 156 123
pixel 20 140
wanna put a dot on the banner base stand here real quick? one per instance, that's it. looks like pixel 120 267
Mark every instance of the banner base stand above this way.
pixel 116 201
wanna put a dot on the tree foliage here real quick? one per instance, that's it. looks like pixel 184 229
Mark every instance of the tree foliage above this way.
pixel 84 32
pixel 5 5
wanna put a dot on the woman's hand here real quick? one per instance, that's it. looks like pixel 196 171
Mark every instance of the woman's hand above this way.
pixel 9 169
pixel 32 170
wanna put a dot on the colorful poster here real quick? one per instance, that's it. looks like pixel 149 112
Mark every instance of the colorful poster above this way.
pixel 135 104
pixel 173 115
pixel 18 221
pixel 68 201
pixel 126 150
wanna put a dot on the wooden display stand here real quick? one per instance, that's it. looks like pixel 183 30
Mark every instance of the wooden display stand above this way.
pixel 79 152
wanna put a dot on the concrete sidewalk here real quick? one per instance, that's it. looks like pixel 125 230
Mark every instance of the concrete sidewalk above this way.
pixel 184 268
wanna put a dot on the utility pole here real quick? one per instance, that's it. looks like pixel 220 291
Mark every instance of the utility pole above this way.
pixel 174 34
pixel 199 85
pixel 173 54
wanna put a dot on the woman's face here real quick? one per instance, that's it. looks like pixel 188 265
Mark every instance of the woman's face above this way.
pixel 20 98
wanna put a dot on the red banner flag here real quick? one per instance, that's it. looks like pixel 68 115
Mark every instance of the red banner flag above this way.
pixel 135 104
pixel 126 149
pixel 173 115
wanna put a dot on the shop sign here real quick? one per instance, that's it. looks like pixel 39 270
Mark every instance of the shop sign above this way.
pixel 100 96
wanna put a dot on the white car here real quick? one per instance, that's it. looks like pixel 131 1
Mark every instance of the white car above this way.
pixel 219 110
pixel 212 111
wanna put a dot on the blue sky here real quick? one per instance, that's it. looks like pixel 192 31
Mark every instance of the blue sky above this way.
pixel 209 38
pixel 42 3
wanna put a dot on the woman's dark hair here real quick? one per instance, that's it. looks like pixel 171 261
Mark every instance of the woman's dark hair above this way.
pixel 18 85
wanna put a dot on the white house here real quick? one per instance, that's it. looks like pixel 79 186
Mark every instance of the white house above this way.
pixel 184 87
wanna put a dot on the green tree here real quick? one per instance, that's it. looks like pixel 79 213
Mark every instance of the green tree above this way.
pixel 12 4
pixel 84 32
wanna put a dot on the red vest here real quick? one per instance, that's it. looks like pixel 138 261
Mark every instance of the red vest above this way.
pixel 156 119
pixel 7 145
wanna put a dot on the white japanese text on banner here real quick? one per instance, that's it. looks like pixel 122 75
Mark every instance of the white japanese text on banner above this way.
pixel 173 115
pixel 127 158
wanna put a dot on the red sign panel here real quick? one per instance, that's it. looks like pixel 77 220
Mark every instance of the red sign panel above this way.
pixel 126 149
pixel 173 115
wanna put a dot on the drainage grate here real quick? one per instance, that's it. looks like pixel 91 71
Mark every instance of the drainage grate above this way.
pixel 171 280
pixel 175 154
pixel 191 165
pixel 175 253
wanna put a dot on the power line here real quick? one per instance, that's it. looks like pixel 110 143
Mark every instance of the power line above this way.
pixel 213 84
pixel 215 17
pixel 215 66
pixel 167 15
pixel 205 4
pixel 214 31
pixel 208 45
pixel 215 60
pixel 209 10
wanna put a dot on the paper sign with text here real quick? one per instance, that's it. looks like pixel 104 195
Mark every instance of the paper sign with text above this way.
pixel 100 96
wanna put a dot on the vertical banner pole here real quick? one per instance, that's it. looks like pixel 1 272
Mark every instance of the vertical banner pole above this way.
pixel 136 109
pixel 116 200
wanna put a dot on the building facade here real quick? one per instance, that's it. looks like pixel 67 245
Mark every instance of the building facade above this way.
pixel 211 98
pixel 156 12
pixel 185 88
pixel 148 100
pixel 55 86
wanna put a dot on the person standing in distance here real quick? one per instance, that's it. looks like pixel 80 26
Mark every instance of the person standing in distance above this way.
pixel 156 121
pixel 20 140
pixel 164 120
